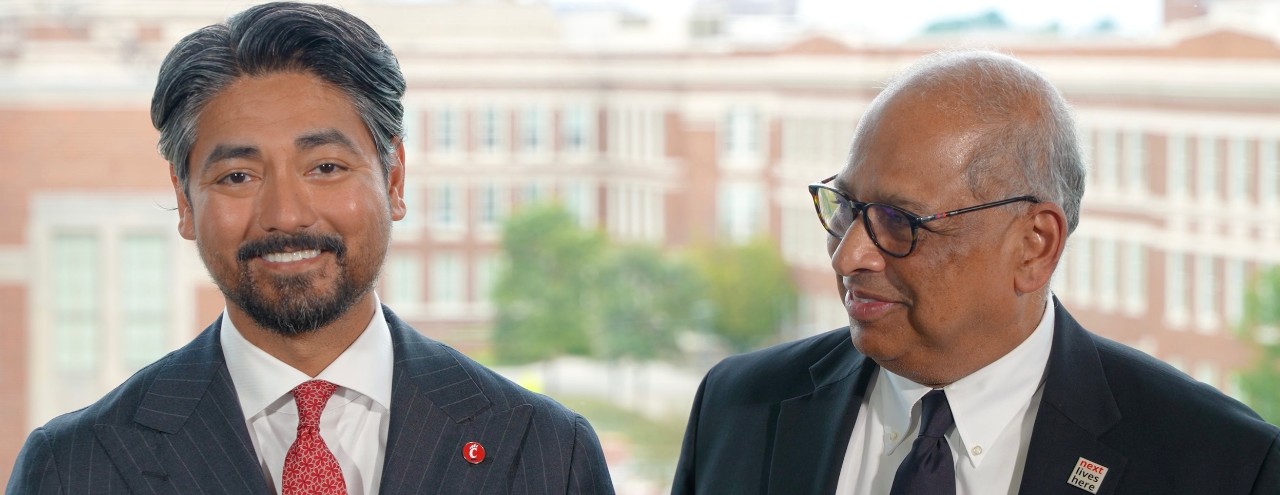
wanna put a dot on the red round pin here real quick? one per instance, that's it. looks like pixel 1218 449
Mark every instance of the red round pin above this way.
pixel 473 452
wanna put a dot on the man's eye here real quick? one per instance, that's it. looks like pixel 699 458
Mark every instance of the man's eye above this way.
pixel 235 178
pixel 328 168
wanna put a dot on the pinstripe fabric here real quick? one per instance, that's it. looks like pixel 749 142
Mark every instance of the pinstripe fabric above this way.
pixel 176 427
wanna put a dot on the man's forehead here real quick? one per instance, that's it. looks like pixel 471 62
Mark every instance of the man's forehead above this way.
pixel 871 187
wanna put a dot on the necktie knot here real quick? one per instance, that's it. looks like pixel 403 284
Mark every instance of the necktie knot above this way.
pixel 310 467
pixel 311 396
pixel 936 416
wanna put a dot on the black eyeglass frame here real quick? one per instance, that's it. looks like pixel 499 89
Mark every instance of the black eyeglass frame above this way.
pixel 916 221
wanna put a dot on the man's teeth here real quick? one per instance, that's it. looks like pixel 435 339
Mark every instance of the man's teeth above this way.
pixel 294 256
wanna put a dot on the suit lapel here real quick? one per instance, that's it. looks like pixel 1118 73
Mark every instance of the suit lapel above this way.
pixel 1076 409
pixel 190 434
pixel 437 407
pixel 812 431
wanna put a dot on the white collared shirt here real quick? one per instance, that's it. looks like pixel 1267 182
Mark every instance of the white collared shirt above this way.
pixel 355 420
pixel 994 409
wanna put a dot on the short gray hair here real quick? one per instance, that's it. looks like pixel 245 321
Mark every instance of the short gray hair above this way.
pixel 1026 121
pixel 278 37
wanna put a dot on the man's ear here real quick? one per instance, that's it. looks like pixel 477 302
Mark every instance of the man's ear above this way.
pixel 186 224
pixel 1044 236
pixel 395 182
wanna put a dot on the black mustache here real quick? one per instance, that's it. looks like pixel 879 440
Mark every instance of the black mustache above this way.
pixel 297 242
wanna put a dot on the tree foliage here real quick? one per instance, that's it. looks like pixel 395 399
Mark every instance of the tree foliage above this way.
pixel 543 289
pixel 1261 327
pixel 751 291
pixel 564 290
pixel 645 299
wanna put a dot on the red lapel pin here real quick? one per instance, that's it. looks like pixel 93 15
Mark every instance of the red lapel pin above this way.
pixel 473 452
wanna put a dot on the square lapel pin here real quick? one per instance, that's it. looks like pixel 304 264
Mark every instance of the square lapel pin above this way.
pixel 1087 475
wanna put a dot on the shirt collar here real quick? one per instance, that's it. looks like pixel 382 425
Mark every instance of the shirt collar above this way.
pixel 983 403
pixel 260 379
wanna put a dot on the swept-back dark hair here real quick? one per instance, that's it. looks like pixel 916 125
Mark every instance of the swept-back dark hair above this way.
pixel 319 40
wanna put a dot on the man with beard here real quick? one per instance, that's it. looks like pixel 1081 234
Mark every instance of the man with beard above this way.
pixel 959 372
pixel 283 131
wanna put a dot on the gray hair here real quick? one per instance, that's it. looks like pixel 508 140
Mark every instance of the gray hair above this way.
pixel 1025 119
pixel 319 40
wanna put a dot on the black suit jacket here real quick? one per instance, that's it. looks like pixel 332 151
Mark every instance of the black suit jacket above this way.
pixel 176 427
pixel 778 421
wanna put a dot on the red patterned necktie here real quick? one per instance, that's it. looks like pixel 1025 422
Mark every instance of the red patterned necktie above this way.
pixel 309 467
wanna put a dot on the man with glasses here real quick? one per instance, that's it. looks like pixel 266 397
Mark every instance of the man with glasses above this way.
pixel 960 373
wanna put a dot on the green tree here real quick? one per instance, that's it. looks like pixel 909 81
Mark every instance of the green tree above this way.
pixel 542 293
pixel 645 299
pixel 751 291
pixel 1260 326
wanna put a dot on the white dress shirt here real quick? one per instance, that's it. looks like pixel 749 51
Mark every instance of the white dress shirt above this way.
pixel 354 422
pixel 994 409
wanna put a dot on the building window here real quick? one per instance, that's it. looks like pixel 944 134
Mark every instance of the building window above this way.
pixel 1108 276
pixel 446 210
pixel 1135 278
pixel 446 278
pixel 486 272
pixel 533 129
pixel 740 133
pixel 1238 170
pixel 637 133
pixel 490 207
pixel 1175 295
pixel 1207 168
pixel 491 130
pixel 740 210
pixel 77 279
pixel 404 279
pixel 145 298
pixel 1233 290
pixel 1177 165
pixel 1107 166
pixel 447 130
pixel 1206 292
pixel 1135 162
pixel 530 194
pixel 1268 172
pixel 579 199
pixel 576 128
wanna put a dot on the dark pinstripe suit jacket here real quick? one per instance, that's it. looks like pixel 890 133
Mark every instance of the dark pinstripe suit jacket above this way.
pixel 176 427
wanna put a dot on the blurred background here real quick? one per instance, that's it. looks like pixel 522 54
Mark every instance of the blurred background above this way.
pixel 607 197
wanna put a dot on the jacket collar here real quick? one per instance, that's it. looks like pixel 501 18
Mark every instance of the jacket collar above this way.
pixel 813 429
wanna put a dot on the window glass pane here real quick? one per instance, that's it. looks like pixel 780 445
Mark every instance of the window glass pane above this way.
pixel 77 274
pixel 145 297
pixel 404 279
pixel 446 278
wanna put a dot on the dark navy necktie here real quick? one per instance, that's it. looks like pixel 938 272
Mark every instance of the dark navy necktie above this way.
pixel 929 468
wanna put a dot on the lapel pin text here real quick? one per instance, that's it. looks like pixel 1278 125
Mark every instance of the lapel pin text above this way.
pixel 473 452
pixel 1087 475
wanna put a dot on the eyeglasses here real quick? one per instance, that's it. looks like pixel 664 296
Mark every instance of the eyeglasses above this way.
pixel 892 229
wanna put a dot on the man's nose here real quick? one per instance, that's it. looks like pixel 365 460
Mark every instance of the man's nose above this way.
pixel 285 205
pixel 855 252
